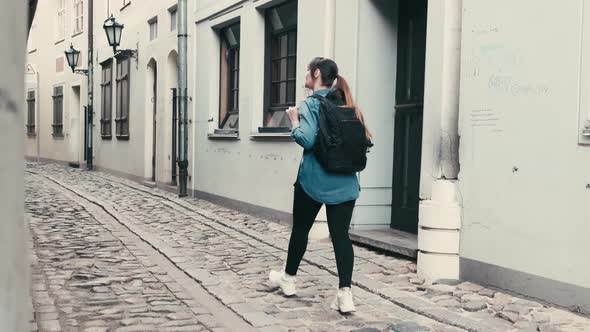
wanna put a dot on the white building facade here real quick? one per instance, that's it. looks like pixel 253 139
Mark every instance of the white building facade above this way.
pixel 444 85
pixel 54 95
pixel 130 136
pixel 525 148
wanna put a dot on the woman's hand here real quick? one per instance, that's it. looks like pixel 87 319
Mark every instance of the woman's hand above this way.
pixel 293 114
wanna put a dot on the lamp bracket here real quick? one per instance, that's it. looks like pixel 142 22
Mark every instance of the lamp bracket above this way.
pixel 80 71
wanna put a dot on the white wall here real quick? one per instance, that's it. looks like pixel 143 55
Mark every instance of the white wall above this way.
pixel 440 140
pixel 375 51
pixel 14 260
pixel 134 157
pixel 263 172
pixel 256 172
pixel 519 108
pixel 42 58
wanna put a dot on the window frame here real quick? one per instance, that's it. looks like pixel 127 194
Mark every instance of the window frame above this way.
pixel 78 23
pixel 153 22
pixel 31 112
pixel 173 12
pixel 122 108
pixel 106 86
pixel 58 111
pixel 270 107
pixel 60 31
pixel 232 93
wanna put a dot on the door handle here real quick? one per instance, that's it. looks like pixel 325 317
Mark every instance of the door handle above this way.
pixel 408 105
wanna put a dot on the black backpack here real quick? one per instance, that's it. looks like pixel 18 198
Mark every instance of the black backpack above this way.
pixel 341 144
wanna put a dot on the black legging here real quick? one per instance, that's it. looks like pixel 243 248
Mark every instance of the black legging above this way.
pixel 305 210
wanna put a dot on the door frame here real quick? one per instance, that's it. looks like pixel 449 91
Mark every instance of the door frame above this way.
pixel 409 113
pixel 154 119
pixel 75 138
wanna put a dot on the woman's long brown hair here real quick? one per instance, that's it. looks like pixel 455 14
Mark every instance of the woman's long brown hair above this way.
pixel 330 77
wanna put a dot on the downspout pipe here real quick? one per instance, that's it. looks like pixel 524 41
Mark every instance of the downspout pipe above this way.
pixel 182 95
pixel 90 109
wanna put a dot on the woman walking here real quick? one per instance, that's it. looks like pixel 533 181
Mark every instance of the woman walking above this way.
pixel 315 186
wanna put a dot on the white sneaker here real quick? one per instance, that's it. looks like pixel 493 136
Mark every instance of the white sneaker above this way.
pixel 343 301
pixel 284 281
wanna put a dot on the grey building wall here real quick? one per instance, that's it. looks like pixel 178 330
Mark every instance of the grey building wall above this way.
pixel 14 262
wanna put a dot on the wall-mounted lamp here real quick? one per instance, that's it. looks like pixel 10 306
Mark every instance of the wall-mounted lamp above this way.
pixel 73 55
pixel 114 30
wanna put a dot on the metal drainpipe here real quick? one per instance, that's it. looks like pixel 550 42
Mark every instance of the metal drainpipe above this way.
pixel 90 110
pixel 182 94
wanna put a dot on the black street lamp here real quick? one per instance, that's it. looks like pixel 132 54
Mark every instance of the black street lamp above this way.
pixel 114 30
pixel 73 55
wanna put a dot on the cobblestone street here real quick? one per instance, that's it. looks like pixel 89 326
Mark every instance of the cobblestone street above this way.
pixel 109 254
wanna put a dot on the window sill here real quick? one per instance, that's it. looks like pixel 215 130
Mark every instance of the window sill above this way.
pixel 125 6
pixel 58 136
pixel 77 33
pixel 123 137
pixel 223 137
pixel 107 137
pixel 31 135
pixel 283 137
pixel 274 130
pixel 59 41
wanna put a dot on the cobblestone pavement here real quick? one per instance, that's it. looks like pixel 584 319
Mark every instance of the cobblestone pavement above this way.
pixel 229 254
pixel 86 279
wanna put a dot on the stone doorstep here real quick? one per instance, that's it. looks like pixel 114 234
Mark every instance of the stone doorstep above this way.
pixel 388 239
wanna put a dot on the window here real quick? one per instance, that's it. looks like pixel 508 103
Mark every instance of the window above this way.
pixel 60 31
pixel 78 16
pixel 281 59
pixel 173 18
pixel 106 100
pixel 229 78
pixel 153 23
pixel 59 64
pixel 58 110
pixel 122 119
pixel 31 113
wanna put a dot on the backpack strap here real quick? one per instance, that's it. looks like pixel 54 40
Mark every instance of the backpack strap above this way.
pixel 321 99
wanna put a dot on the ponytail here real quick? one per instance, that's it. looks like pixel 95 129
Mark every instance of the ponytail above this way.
pixel 330 77
pixel 342 87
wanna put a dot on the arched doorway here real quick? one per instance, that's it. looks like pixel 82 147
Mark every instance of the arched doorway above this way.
pixel 152 93
pixel 172 114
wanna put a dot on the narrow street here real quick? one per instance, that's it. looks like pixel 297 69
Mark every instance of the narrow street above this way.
pixel 108 254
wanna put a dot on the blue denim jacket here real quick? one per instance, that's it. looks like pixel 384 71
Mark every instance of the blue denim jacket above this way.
pixel 321 186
